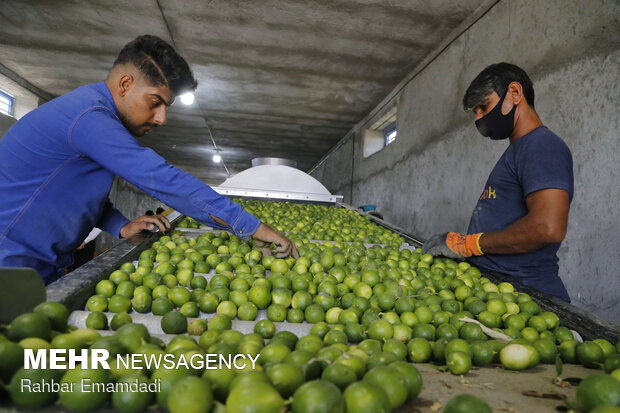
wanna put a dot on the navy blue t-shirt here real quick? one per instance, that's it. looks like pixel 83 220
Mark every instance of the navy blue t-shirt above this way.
pixel 536 161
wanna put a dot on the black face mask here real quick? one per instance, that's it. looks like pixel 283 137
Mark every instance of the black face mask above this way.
pixel 494 124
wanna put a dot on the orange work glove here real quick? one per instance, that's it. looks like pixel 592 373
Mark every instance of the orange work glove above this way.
pixel 453 245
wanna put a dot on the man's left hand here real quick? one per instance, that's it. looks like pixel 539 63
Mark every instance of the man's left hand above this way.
pixel 453 245
pixel 145 222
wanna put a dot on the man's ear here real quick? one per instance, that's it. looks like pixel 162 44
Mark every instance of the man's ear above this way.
pixel 515 93
pixel 125 83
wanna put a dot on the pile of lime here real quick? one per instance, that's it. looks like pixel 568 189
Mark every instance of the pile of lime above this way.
pixel 303 222
pixel 374 311
pixel 188 222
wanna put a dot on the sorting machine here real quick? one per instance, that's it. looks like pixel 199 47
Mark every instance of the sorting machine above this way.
pixel 271 179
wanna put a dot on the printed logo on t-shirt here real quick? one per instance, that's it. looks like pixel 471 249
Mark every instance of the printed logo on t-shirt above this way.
pixel 488 193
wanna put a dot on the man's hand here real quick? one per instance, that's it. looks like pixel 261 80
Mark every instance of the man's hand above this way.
pixel 265 235
pixel 145 222
pixel 453 245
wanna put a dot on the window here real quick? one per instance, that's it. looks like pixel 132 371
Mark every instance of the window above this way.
pixel 6 103
pixel 380 133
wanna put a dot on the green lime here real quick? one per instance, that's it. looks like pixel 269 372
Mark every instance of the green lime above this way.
pixel 606 346
pixel 209 303
pixel 197 327
pixel 447 331
pixel 30 325
pixel 67 341
pixel 396 347
pixel 563 334
pixel 482 353
pixel 391 381
pixel 34 343
pixel 167 378
pixel 132 401
pixel 366 397
pixel 423 330
pixel 208 338
pixel 273 353
pixel 612 363
pixel 86 336
pixel 260 397
pixel 247 311
pixel 248 378
pixel 314 313
pixel 190 395
pixel 28 396
pixel 78 391
pixel 260 295
pixel 318 396
pixel 472 331
pixel 466 403
pixel 355 332
pixel 191 309
pixel 220 322
pixel 265 328
pixel 161 306
pixel 339 374
pixel 547 350
pixel 105 288
pixel 598 390
pixel 310 343
pixel 285 337
pixel 335 336
pixel 97 303
pixel 174 323
pixel 419 350
pixel 179 295
pixel 515 356
pixel 220 380
pixel 590 354
pixel 132 336
pixel 413 378
pixel 141 302
pixel 295 315
pixel 97 321
pixel 11 359
pixel 120 320
pixel 568 351
pixel 380 330
pixel 458 362
pixel 119 304
pixel 56 313
pixel 276 312
pixel 286 378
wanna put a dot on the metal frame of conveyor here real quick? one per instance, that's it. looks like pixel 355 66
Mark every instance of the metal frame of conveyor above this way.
pixel 588 325
pixel 279 195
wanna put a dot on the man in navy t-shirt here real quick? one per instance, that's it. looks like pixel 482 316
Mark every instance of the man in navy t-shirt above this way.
pixel 522 214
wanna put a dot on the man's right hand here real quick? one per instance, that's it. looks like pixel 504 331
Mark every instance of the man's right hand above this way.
pixel 265 235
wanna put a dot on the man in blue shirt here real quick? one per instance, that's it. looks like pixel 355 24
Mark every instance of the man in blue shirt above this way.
pixel 58 162
pixel 522 214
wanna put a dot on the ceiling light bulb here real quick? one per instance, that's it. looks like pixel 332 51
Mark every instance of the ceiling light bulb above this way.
pixel 217 158
pixel 187 98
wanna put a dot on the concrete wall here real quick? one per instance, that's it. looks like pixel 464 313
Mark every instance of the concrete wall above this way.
pixel 5 123
pixel 429 179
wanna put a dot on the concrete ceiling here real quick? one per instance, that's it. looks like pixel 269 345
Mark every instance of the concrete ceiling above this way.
pixel 283 78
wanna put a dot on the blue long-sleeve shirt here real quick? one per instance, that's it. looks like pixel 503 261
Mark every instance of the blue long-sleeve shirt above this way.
pixel 57 165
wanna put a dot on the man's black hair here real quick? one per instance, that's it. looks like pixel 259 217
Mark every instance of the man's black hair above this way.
pixel 159 63
pixel 496 78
